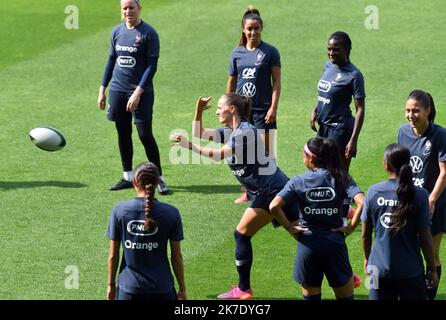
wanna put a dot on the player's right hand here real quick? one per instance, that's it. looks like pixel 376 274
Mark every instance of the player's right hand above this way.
pixel 101 101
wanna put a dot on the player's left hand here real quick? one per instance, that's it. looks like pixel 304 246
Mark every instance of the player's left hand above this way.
pixel 350 149
pixel 271 115
pixel 347 230
pixel 133 102
pixel 431 207
pixel 179 140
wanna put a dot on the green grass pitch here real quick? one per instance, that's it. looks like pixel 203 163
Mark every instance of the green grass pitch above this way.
pixel 54 207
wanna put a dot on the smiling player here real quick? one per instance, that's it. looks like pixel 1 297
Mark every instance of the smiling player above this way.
pixel 426 142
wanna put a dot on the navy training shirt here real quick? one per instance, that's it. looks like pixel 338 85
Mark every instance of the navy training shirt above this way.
pixel 253 71
pixel 144 266
pixel 320 201
pixel 250 163
pixel 335 90
pixel 426 152
pixel 395 256
pixel 132 49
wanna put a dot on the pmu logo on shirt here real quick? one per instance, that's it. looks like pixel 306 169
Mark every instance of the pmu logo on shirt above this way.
pixel 136 228
pixel 320 194
pixel 324 86
pixel 126 62
pixel 387 220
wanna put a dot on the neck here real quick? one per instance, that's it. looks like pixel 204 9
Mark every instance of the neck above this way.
pixel 392 175
pixel 421 128
pixel 235 122
pixel 132 24
pixel 251 45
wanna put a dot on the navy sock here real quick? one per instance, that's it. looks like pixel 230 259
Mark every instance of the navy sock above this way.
pixel 313 297
pixel 243 259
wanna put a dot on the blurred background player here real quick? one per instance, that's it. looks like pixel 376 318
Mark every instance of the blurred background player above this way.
pixel 144 226
pixel 254 71
pixel 399 213
pixel 319 194
pixel 131 66
pixel 426 142
pixel 245 154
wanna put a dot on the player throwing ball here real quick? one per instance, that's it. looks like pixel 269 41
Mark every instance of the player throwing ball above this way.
pixel 244 152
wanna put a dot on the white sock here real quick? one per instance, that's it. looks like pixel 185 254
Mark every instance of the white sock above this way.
pixel 128 175
pixel 162 178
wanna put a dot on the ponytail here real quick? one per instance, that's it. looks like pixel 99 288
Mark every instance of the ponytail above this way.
pixel 426 100
pixel 253 14
pixel 147 178
pixel 397 158
pixel 149 222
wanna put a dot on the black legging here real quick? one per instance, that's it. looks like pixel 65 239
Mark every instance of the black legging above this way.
pixel 144 129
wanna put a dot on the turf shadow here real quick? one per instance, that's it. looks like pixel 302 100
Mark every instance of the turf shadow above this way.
pixel 206 189
pixel 11 185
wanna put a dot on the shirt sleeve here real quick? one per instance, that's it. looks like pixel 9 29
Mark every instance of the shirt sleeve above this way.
pixel 441 145
pixel 275 58
pixel 366 214
pixel 289 192
pixel 108 73
pixel 232 65
pixel 358 87
pixel 153 44
pixel 176 232
pixel 352 189
pixel 113 231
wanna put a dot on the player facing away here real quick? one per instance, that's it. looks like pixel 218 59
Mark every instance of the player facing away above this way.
pixel 426 142
pixel 248 161
pixel 144 226
pixel 341 80
pixel 131 66
pixel 320 233
pixel 398 211
pixel 255 71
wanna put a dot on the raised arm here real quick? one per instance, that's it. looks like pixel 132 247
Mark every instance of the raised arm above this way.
pixel 197 125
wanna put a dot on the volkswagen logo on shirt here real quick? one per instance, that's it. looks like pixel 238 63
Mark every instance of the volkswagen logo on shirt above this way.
pixel 126 62
pixel 416 164
pixel 136 228
pixel 249 89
